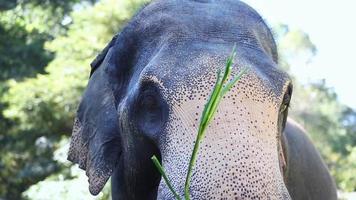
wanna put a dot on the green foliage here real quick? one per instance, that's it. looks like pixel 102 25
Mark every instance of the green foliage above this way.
pixel 69 183
pixel 330 124
pixel 334 139
pixel 345 170
pixel 327 121
pixel 23 32
pixel 31 113
pixel 22 52
pixel 40 110
pixel 65 5
pixel 293 41
pixel 293 45
pixel 27 48
pixel 24 29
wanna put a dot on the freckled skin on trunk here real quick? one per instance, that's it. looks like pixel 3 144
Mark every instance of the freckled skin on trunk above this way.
pixel 238 157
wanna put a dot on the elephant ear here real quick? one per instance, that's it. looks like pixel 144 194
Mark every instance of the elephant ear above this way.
pixel 99 59
pixel 95 143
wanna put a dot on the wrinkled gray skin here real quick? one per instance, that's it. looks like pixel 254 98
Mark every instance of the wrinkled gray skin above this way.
pixel 146 94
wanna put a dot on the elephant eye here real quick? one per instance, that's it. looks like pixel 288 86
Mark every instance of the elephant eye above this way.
pixel 149 103
pixel 286 99
pixel 150 111
pixel 284 107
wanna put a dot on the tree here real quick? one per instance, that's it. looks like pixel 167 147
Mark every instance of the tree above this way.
pixel 330 124
pixel 25 26
pixel 42 108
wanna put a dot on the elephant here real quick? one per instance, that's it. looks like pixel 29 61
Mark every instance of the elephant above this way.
pixel 146 93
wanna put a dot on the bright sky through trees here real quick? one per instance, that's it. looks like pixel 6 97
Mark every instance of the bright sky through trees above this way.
pixel 332 28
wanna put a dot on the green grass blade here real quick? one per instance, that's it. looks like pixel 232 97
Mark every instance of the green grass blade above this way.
pixel 207 116
pixel 210 109
pixel 207 107
pixel 204 118
pixel 229 63
pixel 161 171
pixel 229 85
pixel 221 91
pixel 213 109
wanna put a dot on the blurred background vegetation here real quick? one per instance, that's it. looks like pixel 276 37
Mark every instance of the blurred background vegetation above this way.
pixel 45 50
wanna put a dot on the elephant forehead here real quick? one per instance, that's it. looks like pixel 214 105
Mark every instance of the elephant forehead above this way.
pixel 169 17
pixel 179 87
pixel 189 68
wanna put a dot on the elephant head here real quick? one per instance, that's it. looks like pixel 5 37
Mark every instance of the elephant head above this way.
pixel 146 94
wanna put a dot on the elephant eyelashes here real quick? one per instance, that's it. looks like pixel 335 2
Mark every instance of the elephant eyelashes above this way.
pixel 150 111
pixel 286 99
